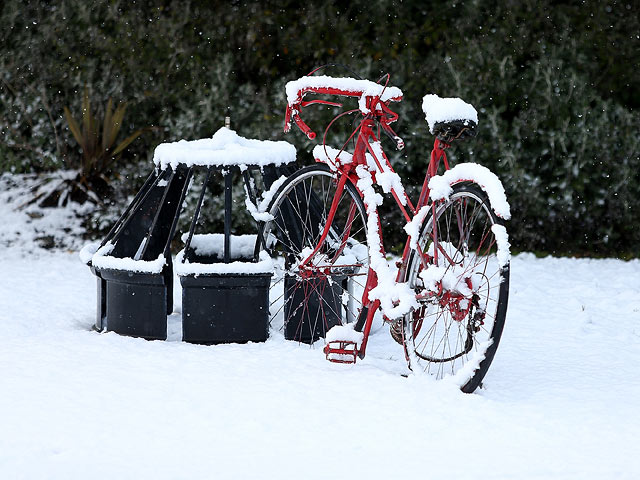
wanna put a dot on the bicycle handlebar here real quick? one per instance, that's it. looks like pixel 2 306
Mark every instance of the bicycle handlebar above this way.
pixel 304 127
pixel 376 100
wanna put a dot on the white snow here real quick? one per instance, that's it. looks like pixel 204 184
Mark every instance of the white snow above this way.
pixel 241 246
pixel 102 259
pixel 257 215
pixel 385 176
pixel 434 274
pixel 439 110
pixel 452 277
pixel 344 333
pixel 413 227
pixel 225 148
pixel 396 298
pixel 259 212
pixel 560 400
pixel 463 375
pixel 502 240
pixel 440 185
pixel 267 195
pixel 27 226
pixel 296 88
pixel 264 265
pixel 331 156
pixel 86 253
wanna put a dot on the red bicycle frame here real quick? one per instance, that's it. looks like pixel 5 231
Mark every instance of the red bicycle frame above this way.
pixel 380 114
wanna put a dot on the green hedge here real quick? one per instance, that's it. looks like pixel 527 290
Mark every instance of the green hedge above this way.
pixel 556 85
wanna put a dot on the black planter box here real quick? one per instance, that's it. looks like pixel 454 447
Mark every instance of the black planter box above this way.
pixel 225 308
pixel 303 306
pixel 134 303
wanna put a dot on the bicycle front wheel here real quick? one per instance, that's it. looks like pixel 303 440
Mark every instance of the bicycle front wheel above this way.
pixel 307 300
pixel 463 286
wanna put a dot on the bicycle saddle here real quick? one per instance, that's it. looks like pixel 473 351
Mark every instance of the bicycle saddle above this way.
pixel 449 119
pixel 454 130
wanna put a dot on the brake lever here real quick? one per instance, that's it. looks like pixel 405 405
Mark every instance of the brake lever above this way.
pixel 392 135
pixel 304 127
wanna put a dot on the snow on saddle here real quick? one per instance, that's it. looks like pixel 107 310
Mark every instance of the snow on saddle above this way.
pixel 449 119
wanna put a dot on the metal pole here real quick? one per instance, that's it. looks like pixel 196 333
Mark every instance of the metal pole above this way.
pixel 228 177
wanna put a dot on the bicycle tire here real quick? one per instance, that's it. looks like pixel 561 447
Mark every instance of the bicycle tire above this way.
pixel 434 339
pixel 305 308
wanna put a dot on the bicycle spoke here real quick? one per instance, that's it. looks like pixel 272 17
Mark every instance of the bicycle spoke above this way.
pixel 330 289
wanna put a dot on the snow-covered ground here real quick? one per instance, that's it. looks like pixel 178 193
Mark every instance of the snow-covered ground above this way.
pixel 560 400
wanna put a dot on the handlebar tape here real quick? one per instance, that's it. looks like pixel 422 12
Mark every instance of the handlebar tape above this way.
pixel 304 127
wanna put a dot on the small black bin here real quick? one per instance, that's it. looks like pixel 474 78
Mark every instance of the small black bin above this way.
pixel 225 308
pixel 136 303
pixel 303 304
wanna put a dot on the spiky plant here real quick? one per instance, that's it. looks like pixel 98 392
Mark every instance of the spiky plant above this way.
pixel 98 142
pixel 97 139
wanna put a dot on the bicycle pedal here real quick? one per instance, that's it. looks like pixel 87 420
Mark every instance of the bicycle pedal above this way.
pixel 341 351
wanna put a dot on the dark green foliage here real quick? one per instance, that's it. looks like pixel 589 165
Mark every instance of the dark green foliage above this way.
pixel 557 86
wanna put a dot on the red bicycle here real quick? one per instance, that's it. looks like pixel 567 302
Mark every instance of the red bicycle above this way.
pixel 446 298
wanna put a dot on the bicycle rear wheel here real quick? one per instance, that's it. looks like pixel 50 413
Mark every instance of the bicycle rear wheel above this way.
pixel 464 291
pixel 306 302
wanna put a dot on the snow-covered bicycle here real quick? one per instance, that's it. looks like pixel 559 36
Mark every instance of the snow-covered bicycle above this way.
pixel 446 299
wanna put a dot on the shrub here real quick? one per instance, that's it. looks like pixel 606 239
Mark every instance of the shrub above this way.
pixel 557 96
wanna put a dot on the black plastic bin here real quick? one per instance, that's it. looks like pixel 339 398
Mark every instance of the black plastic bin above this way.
pixel 302 304
pixel 131 299
pixel 225 308
pixel 136 303
pixel 219 306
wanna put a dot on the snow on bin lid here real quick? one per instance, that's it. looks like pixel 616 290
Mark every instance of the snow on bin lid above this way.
pixel 362 87
pixel 242 246
pixel 225 148
pixel 184 268
pixel 439 110
pixel 103 260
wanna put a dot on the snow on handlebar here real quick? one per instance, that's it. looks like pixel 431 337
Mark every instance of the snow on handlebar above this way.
pixel 324 85
pixel 349 87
